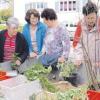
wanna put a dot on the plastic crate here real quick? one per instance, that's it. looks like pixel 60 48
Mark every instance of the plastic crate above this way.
pixel 93 95
pixel 19 88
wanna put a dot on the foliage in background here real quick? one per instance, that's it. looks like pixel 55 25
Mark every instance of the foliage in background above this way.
pixel 5 14
pixel 4 27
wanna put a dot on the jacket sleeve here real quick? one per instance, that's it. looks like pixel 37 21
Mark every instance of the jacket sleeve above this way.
pixel 25 52
pixel 77 35
pixel 78 52
pixel 44 31
pixel 25 32
pixel 43 37
pixel 65 42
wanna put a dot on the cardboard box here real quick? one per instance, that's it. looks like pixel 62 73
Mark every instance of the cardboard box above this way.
pixel 19 88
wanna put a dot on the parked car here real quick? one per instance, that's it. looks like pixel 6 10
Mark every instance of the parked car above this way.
pixel 71 28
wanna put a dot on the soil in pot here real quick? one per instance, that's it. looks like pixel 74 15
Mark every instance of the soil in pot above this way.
pixel 63 85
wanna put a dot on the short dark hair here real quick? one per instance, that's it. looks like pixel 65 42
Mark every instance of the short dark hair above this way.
pixel 29 13
pixel 49 14
pixel 89 8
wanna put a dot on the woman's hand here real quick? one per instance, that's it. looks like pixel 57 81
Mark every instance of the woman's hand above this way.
pixel 61 59
pixel 77 63
pixel 33 55
pixel 18 62
pixel 43 53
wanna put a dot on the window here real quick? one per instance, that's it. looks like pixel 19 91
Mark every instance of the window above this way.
pixel 27 6
pixel 57 6
pixel 61 6
pixel 41 5
pixel 74 5
pixel 30 5
pixel 44 5
pixel 35 5
pixel 70 5
pixel 65 6
pixel 38 5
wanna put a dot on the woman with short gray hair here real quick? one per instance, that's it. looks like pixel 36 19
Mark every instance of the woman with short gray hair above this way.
pixel 12 21
pixel 11 42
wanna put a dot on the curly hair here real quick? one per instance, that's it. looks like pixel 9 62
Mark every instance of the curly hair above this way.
pixel 89 8
pixel 31 12
pixel 49 14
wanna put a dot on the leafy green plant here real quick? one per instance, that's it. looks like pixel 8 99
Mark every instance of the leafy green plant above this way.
pixel 15 58
pixel 47 85
pixel 39 72
pixel 78 93
pixel 35 72
pixel 2 27
pixel 67 69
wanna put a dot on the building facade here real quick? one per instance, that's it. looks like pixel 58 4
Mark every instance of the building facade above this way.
pixel 67 10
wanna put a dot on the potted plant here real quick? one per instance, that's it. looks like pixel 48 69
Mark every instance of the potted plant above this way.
pixel 67 72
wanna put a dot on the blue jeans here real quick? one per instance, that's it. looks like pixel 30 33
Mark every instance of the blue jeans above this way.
pixel 48 60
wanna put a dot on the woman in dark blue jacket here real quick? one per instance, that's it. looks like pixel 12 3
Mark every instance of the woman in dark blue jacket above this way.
pixel 11 42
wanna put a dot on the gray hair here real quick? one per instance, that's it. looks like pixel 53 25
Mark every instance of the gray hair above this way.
pixel 12 21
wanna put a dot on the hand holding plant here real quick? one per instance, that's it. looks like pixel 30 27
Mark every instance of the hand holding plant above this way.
pixel 15 61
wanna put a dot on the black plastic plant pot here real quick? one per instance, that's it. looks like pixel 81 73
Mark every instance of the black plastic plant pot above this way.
pixel 72 79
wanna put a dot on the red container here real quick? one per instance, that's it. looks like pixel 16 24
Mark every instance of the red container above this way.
pixel 3 76
pixel 2 73
pixel 93 95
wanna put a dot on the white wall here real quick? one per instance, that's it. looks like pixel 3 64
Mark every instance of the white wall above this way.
pixel 19 10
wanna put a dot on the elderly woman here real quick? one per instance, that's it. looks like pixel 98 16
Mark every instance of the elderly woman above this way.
pixel 34 32
pixel 11 42
pixel 56 43
pixel 87 45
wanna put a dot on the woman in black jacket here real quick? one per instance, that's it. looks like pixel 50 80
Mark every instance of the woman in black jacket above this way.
pixel 13 42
